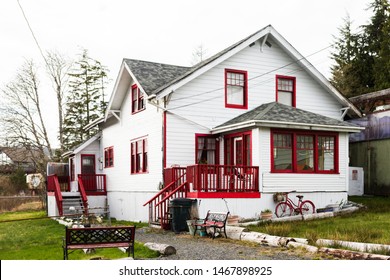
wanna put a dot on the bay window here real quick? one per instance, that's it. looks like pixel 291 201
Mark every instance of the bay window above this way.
pixel 304 152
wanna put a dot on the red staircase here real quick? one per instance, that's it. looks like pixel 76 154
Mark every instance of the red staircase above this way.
pixel 177 187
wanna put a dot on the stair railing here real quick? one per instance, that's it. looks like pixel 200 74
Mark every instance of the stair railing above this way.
pixel 83 193
pixel 157 208
pixel 163 205
pixel 53 184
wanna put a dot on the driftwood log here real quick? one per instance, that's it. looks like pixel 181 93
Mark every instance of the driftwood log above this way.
pixel 358 246
pixel 352 255
pixel 163 249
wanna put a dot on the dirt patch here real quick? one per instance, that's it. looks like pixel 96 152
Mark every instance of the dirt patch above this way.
pixel 35 205
pixel 20 203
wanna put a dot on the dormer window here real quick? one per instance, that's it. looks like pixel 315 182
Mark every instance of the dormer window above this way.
pixel 137 99
pixel 236 89
pixel 285 90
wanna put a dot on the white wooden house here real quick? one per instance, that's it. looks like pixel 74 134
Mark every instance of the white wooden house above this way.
pixel 254 119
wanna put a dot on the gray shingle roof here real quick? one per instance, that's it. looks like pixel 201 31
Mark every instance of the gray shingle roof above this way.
pixel 276 112
pixel 152 75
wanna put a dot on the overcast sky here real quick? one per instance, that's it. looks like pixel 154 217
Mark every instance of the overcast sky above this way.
pixel 164 31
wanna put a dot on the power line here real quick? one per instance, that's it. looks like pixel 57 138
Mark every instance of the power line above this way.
pixel 32 33
pixel 251 79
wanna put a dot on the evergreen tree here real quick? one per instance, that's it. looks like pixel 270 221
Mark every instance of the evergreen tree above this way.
pixel 362 59
pixel 86 99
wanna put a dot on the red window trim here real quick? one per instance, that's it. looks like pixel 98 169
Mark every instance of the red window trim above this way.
pixel 235 106
pixel 133 157
pixel 294 94
pixel 244 153
pixel 108 154
pixel 140 98
pixel 294 134
pixel 197 135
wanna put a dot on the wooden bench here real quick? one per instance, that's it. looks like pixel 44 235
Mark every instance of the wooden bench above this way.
pixel 214 220
pixel 99 237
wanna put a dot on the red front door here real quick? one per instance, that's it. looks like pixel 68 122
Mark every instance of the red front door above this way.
pixel 88 172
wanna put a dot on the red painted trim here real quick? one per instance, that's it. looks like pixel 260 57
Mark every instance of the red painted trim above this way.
pixel 315 135
pixel 235 135
pixel 197 135
pixel 133 164
pixel 223 195
pixel 294 93
pixel 107 150
pixel 165 139
pixel 235 106
pixel 137 100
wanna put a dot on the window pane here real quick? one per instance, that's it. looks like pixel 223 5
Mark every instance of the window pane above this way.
pixel 206 150
pixel 282 152
pixel 305 153
pixel 285 98
pixel 235 95
pixel 326 153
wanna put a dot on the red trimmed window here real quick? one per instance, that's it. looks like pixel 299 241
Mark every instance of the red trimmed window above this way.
pixel 236 89
pixel 238 149
pixel 207 148
pixel 285 90
pixel 139 156
pixel 302 152
pixel 137 99
pixel 109 157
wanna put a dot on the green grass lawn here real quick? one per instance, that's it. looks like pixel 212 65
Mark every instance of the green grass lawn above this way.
pixel 35 237
pixel 370 224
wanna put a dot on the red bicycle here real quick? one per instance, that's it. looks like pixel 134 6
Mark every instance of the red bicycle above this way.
pixel 289 208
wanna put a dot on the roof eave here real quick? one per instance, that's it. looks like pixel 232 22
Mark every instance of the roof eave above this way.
pixel 290 125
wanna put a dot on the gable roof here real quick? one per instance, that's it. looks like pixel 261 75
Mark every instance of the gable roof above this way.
pixel 275 114
pixel 160 80
pixel 152 75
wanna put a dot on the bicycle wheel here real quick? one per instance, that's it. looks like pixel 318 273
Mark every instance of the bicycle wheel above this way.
pixel 307 207
pixel 283 209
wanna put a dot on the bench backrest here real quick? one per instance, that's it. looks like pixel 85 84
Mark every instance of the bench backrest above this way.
pixel 100 235
pixel 216 217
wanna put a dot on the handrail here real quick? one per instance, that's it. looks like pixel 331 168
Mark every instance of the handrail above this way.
pixel 83 194
pixel 164 190
pixel 185 184
pixel 53 180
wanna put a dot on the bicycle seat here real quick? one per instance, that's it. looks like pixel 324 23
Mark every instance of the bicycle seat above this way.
pixel 300 196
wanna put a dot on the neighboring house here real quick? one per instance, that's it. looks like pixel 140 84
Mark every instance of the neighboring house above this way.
pixel 255 119
pixel 370 148
pixel 12 158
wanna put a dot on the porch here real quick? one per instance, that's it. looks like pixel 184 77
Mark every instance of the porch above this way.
pixel 89 185
pixel 202 181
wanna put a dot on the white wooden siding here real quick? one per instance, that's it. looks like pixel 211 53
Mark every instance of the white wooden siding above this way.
pixel 148 124
pixel 274 182
pixel 202 100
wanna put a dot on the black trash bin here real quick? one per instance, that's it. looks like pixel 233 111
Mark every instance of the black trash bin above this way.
pixel 180 210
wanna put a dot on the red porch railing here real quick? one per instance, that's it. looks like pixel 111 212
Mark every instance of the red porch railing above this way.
pixel 223 178
pixel 176 186
pixel 54 186
pixel 94 184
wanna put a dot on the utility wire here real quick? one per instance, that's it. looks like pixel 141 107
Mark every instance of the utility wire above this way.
pixel 32 33
pixel 251 79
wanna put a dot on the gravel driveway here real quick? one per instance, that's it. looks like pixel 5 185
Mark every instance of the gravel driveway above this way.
pixel 190 247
